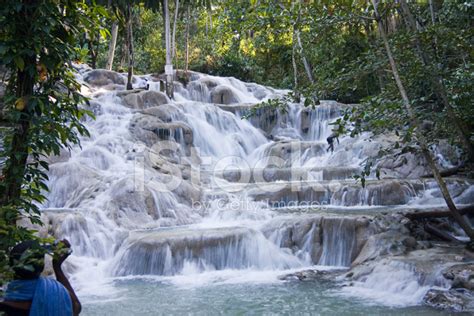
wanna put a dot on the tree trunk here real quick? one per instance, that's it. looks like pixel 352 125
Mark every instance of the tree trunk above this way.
pixel 175 22
pixel 112 44
pixel 432 230
pixel 130 46
pixel 14 171
pixel 168 65
pixel 209 12
pixel 446 172
pixel 432 12
pixel 13 174
pixel 92 52
pixel 306 64
pixel 437 213
pixel 438 84
pixel 307 67
pixel 188 22
pixel 293 61
pixel 421 139
pixel 295 71
pixel 123 53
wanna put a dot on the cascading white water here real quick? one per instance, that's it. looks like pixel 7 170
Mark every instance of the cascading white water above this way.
pixel 395 280
pixel 113 200
pixel 169 252
pixel 232 137
pixel 339 242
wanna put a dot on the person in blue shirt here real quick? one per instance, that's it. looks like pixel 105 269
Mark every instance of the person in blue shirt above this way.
pixel 31 294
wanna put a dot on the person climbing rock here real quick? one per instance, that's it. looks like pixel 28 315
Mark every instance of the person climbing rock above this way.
pixel 146 86
pixel 31 294
pixel 330 141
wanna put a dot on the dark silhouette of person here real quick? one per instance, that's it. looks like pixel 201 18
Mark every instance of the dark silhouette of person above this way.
pixel 31 294
pixel 147 85
pixel 330 141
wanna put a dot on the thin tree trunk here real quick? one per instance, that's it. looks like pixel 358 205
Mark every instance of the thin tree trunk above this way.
pixel 306 64
pixel 124 54
pixel 175 22
pixel 434 231
pixel 130 47
pixel 433 21
pixel 293 56
pixel 308 68
pixel 432 12
pixel 295 71
pixel 112 45
pixel 92 52
pixel 437 213
pixel 169 65
pixel 188 22
pixel 438 84
pixel 421 139
pixel 209 11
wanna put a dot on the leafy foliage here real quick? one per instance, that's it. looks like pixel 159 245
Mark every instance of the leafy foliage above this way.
pixel 41 108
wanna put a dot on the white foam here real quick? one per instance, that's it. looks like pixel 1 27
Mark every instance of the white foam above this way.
pixel 391 283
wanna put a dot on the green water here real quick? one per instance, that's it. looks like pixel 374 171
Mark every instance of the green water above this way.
pixel 151 297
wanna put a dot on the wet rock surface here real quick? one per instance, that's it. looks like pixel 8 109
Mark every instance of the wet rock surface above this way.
pixel 443 272
pixel 311 275
pixel 345 193
pixel 450 300
pixel 272 174
pixel 102 77
pixel 265 119
pixel 329 240
pixel 150 129
pixel 223 95
pixel 462 276
pixel 139 99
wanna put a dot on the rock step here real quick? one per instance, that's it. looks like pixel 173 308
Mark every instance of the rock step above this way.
pixel 281 243
pixel 253 175
pixel 169 251
pixel 341 192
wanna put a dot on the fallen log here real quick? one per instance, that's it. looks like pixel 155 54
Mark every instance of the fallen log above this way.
pixel 446 172
pixel 430 229
pixel 436 213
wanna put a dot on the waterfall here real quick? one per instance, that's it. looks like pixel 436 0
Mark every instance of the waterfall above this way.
pixel 390 283
pixel 164 186
pixel 339 242
pixel 169 252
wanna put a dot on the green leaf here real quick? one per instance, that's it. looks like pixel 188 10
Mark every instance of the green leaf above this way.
pixel 20 63
pixel 103 33
pixel 307 102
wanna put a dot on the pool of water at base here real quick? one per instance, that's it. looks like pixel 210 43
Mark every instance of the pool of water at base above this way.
pixel 142 296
